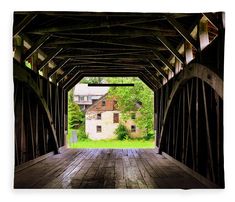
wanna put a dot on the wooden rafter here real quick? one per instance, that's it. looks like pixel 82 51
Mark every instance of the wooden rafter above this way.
pixel 184 33
pixel 50 73
pixel 65 74
pixel 159 69
pixel 167 44
pixel 36 46
pixel 212 19
pixel 49 58
pixel 164 60
pixel 18 28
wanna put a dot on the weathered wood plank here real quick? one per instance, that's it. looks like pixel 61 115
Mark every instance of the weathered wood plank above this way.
pixel 105 168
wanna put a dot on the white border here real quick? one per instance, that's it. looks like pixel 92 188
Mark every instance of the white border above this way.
pixel 6 100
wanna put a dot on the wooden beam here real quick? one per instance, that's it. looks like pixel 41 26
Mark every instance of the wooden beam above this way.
pixel 18 28
pixel 65 74
pixel 51 72
pixel 36 46
pixel 188 51
pixel 22 75
pixel 96 25
pixel 174 51
pixel 158 82
pixel 49 58
pixel 211 162
pixel 203 34
pixel 164 60
pixel 155 66
pixel 111 63
pixel 184 33
pixel 102 55
pixel 212 19
pixel 100 41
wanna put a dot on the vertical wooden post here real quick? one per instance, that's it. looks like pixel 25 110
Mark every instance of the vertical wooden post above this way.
pixel 177 125
pixel 196 128
pixel 203 33
pixel 208 134
pixel 45 71
pixel 36 130
pixel 22 135
pixel 43 136
pixel 155 116
pixel 218 134
pixel 18 48
pixel 183 127
pixel 31 127
pixel 35 62
pixel 188 51
pixel 178 66
pixel 188 121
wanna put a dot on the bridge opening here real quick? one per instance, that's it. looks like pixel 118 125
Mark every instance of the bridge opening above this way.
pixel 110 112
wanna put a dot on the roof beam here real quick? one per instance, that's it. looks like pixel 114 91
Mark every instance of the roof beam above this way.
pixel 18 28
pixel 51 72
pixel 36 46
pixel 95 25
pixel 184 33
pixel 112 63
pixel 212 19
pixel 159 69
pixel 163 60
pixel 104 54
pixel 119 43
pixel 147 81
pixel 166 43
pixel 49 58
pixel 65 74
pixel 153 76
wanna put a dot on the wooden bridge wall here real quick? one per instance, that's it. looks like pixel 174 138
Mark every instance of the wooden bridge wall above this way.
pixel 193 130
pixel 33 132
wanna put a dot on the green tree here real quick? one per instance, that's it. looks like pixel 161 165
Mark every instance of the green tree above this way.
pixel 138 98
pixel 93 80
pixel 75 115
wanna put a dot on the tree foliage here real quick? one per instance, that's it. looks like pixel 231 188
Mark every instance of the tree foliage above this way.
pixel 75 116
pixel 93 80
pixel 138 98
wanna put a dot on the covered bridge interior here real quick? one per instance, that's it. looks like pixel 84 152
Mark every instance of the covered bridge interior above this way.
pixel 180 56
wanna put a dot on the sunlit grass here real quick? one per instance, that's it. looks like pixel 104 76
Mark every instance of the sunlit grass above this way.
pixel 115 144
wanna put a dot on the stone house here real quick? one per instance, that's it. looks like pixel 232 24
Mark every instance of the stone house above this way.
pixel 103 117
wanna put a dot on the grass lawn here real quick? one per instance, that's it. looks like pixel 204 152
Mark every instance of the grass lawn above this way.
pixel 114 144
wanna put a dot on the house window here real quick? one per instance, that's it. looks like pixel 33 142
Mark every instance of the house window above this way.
pixel 82 98
pixel 98 129
pixel 115 118
pixel 103 103
pixel 133 116
pixel 133 128
pixel 99 116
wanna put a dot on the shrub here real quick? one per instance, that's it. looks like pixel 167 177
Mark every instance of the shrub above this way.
pixel 122 132
pixel 149 136
pixel 81 133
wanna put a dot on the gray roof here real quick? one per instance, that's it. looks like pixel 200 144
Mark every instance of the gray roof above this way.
pixel 84 89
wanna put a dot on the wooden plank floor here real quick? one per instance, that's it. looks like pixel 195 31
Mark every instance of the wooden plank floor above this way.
pixel 105 168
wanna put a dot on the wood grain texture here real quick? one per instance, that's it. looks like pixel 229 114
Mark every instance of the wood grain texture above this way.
pixel 105 168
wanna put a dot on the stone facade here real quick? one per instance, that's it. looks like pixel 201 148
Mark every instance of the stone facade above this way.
pixel 103 118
